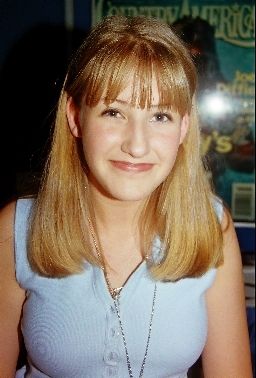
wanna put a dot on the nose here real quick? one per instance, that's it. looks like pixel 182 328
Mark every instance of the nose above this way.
pixel 136 141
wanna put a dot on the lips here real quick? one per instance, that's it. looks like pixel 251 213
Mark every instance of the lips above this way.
pixel 131 167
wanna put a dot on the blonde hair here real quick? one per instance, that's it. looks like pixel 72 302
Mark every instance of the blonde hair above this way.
pixel 180 211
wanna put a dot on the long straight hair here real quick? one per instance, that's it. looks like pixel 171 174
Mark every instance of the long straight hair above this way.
pixel 180 211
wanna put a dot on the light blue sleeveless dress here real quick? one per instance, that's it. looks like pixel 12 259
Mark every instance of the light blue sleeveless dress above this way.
pixel 71 330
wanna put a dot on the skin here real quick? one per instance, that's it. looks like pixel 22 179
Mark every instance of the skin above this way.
pixel 227 352
pixel 129 150
pixel 135 136
pixel 11 297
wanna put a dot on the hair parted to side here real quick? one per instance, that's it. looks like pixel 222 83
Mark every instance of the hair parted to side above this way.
pixel 180 210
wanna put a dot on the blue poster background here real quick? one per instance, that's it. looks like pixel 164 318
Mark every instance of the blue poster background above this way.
pixel 225 52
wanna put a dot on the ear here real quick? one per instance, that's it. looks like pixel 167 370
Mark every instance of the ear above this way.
pixel 184 127
pixel 72 113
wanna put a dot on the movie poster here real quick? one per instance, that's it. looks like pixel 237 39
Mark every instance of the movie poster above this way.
pixel 220 36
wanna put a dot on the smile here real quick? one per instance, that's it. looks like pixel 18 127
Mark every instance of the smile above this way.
pixel 131 167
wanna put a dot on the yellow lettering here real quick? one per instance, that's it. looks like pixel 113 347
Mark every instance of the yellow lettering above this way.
pixel 237 88
pixel 245 22
pixel 171 14
pixel 113 11
pixel 224 144
pixel 245 76
pixel 234 24
pixel 195 11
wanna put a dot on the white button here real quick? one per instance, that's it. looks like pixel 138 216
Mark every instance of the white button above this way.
pixel 114 332
pixel 112 356
pixel 111 371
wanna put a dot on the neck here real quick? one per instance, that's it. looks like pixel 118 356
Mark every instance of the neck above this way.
pixel 118 235
pixel 115 215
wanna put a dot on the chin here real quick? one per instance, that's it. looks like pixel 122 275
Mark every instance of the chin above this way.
pixel 132 196
pixel 125 192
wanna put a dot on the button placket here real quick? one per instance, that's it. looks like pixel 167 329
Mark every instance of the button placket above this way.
pixel 110 371
pixel 114 333
pixel 111 352
pixel 113 330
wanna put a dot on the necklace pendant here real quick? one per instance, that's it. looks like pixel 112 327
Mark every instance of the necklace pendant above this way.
pixel 115 292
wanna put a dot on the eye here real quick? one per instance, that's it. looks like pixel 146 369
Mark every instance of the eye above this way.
pixel 161 117
pixel 112 113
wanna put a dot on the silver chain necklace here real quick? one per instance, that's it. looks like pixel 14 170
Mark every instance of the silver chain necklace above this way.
pixel 117 307
pixel 115 294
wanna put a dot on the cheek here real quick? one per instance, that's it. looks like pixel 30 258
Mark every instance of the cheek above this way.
pixel 167 146
pixel 96 141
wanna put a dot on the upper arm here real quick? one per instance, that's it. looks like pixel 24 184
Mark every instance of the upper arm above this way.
pixel 11 295
pixel 227 352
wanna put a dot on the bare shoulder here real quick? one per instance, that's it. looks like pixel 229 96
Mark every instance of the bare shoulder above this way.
pixel 7 215
pixel 7 260
pixel 7 253
pixel 227 325
pixel 231 249
pixel 229 236
pixel 11 294
pixel 226 221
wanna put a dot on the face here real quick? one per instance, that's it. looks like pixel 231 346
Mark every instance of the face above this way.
pixel 129 151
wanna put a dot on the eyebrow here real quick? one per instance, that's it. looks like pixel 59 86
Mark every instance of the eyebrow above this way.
pixel 127 103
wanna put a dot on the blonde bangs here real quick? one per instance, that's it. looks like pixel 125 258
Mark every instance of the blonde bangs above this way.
pixel 173 85
pixel 108 74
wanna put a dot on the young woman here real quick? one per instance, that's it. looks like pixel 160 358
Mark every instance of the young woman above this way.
pixel 125 264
